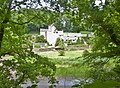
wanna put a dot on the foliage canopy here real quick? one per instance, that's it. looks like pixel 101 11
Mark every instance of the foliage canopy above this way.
pixel 102 19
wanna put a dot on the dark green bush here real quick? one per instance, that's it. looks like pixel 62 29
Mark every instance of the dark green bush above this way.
pixel 61 52
pixel 85 52
pixel 40 39
pixel 57 42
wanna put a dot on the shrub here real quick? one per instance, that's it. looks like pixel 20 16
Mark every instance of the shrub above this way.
pixel 57 42
pixel 61 52
pixel 40 39
pixel 37 45
pixel 103 84
pixel 78 41
pixel 85 52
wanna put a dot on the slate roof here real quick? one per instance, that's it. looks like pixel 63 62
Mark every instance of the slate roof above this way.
pixel 43 30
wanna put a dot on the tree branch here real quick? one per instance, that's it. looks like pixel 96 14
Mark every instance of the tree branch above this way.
pixel 23 22
pixel 9 6
pixel 6 20
pixel 110 31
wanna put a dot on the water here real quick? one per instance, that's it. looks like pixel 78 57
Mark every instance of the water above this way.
pixel 63 83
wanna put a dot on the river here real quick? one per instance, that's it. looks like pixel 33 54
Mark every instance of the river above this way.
pixel 63 82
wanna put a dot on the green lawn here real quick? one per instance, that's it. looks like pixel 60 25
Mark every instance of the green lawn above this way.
pixel 68 65
pixel 68 54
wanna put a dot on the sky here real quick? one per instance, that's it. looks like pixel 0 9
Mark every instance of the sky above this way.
pixel 97 2
pixel 44 4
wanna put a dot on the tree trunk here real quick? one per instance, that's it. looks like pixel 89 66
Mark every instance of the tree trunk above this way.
pixel 5 21
pixel 1 35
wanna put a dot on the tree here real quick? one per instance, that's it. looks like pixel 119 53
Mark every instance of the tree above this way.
pixel 103 20
pixel 43 18
pixel 63 23
pixel 23 63
pixel 40 39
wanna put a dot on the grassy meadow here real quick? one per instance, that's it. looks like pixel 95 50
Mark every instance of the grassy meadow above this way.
pixel 68 54
pixel 68 65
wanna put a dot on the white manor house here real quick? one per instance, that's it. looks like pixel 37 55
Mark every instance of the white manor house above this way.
pixel 51 34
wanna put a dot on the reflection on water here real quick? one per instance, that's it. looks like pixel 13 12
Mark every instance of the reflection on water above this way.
pixel 66 82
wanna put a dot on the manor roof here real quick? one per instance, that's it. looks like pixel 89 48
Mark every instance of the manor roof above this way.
pixel 43 30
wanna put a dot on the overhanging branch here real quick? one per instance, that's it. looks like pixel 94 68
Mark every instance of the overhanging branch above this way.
pixel 23 22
